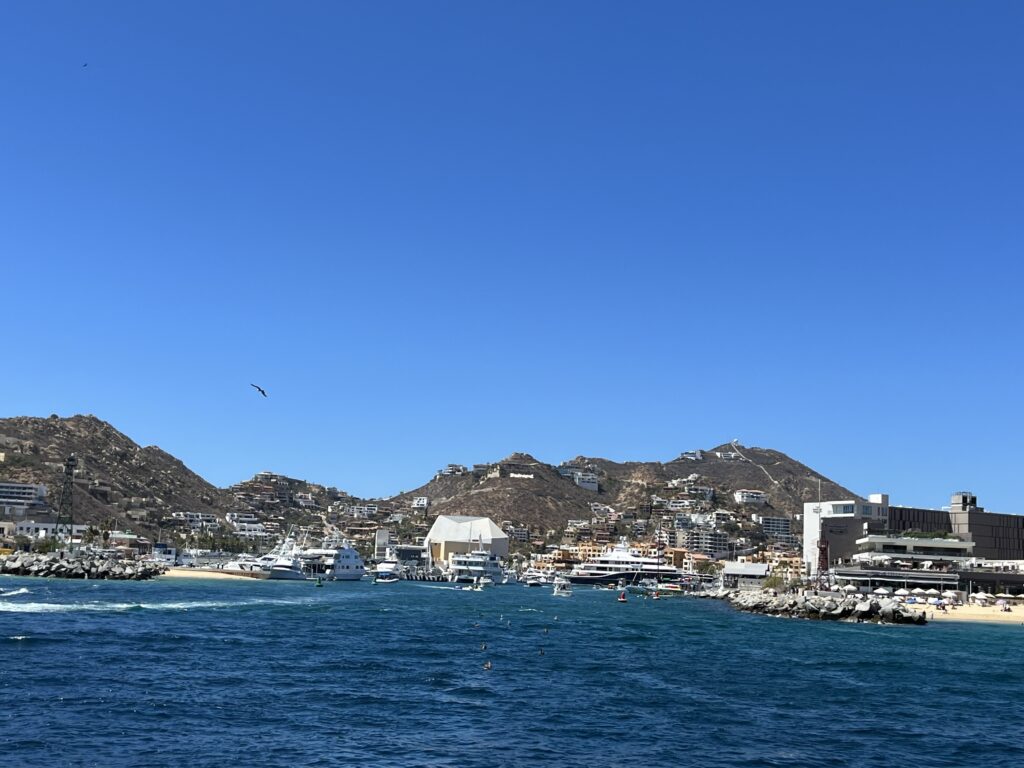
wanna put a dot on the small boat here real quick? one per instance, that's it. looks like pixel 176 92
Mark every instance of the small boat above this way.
pixel 562 588
pixel 622 596
pixel 385 577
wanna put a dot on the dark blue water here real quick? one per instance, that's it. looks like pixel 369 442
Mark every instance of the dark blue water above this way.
pixel 278 674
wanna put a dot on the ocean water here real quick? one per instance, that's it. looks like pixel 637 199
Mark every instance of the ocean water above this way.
pixel 218 673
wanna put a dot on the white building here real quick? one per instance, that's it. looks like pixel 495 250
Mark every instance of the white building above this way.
pixel 420 502
pixel 458 534
pixel 17 498
pixel 774 526
pixel 586 480
pixel 875 509
pixel 747 496
pixel 38 530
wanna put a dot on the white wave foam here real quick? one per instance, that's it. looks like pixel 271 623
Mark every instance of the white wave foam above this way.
pixel 119 607
pixel 19 637
pixel 22 591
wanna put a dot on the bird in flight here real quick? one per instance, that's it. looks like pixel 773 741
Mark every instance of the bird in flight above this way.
pixel 86 64
pixel 261 390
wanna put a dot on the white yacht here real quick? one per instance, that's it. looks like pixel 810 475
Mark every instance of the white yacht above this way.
pixel 535 577
pixel 389 566
pixel 619 562
pixel 282 562
pixel 335 560
pixel 470 568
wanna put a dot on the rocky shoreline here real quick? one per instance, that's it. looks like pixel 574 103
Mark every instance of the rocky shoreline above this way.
pixel 77 566
pixel 852 608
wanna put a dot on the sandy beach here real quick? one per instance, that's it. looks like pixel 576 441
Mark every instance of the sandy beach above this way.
pixel 988 614
pixel 203 573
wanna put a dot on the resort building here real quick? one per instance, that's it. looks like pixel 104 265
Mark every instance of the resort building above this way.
pixel 908 550
pixel 839 524
pixel 996 536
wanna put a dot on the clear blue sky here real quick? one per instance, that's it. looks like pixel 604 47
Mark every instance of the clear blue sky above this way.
pixel 447 231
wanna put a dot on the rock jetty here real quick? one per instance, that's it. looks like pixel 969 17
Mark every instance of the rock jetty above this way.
pixel 827 607
pixel 77 566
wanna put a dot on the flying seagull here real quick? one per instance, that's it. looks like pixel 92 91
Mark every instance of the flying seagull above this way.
pixel 86 64
pixel 261 390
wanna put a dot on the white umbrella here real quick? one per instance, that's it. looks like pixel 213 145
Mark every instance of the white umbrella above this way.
pixel 982 596
pixel 932 591
pixel 881 591
pixel 949 593
pixel 917 591
pixel 902 591
pixel 1003 594
pixel 1019 597
pixel 849 588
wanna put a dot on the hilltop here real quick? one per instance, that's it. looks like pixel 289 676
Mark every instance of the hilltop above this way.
pixel 524 490
pixel 118 482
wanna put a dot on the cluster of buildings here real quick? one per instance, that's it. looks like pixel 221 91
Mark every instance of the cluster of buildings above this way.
pixel 872 541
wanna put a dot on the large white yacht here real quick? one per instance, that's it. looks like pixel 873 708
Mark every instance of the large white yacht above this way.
pixel 472 567
pixel 619 562
pixel 282 562
pixel 335 560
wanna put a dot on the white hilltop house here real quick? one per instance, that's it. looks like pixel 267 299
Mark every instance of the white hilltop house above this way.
pixel 459 534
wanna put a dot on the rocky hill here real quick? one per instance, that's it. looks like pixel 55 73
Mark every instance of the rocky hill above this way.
pixel 118 482
pixel 526 491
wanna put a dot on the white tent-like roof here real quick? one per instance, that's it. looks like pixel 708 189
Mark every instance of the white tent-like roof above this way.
pixel 468 530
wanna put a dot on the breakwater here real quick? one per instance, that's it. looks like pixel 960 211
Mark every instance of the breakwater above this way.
pixel 76 566
pixel 856 608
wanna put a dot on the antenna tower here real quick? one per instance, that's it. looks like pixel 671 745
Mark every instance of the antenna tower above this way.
pixel 824 580
pixel 65 507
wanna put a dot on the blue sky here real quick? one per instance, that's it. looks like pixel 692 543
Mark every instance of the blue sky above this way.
pixel 449 231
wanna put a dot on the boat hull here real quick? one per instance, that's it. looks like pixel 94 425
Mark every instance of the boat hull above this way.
pixel 617 576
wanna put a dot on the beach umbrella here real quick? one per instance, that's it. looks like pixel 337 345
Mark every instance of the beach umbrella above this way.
pixel 981 596
pixel 902 591
pixel 1003 594
pixel 949 593
pixel 881 591
pixel 917 591
pixel 932 591
pixel 1019 597
pixel 849 588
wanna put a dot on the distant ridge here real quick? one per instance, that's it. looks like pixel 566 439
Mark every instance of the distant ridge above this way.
pixel 125 484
